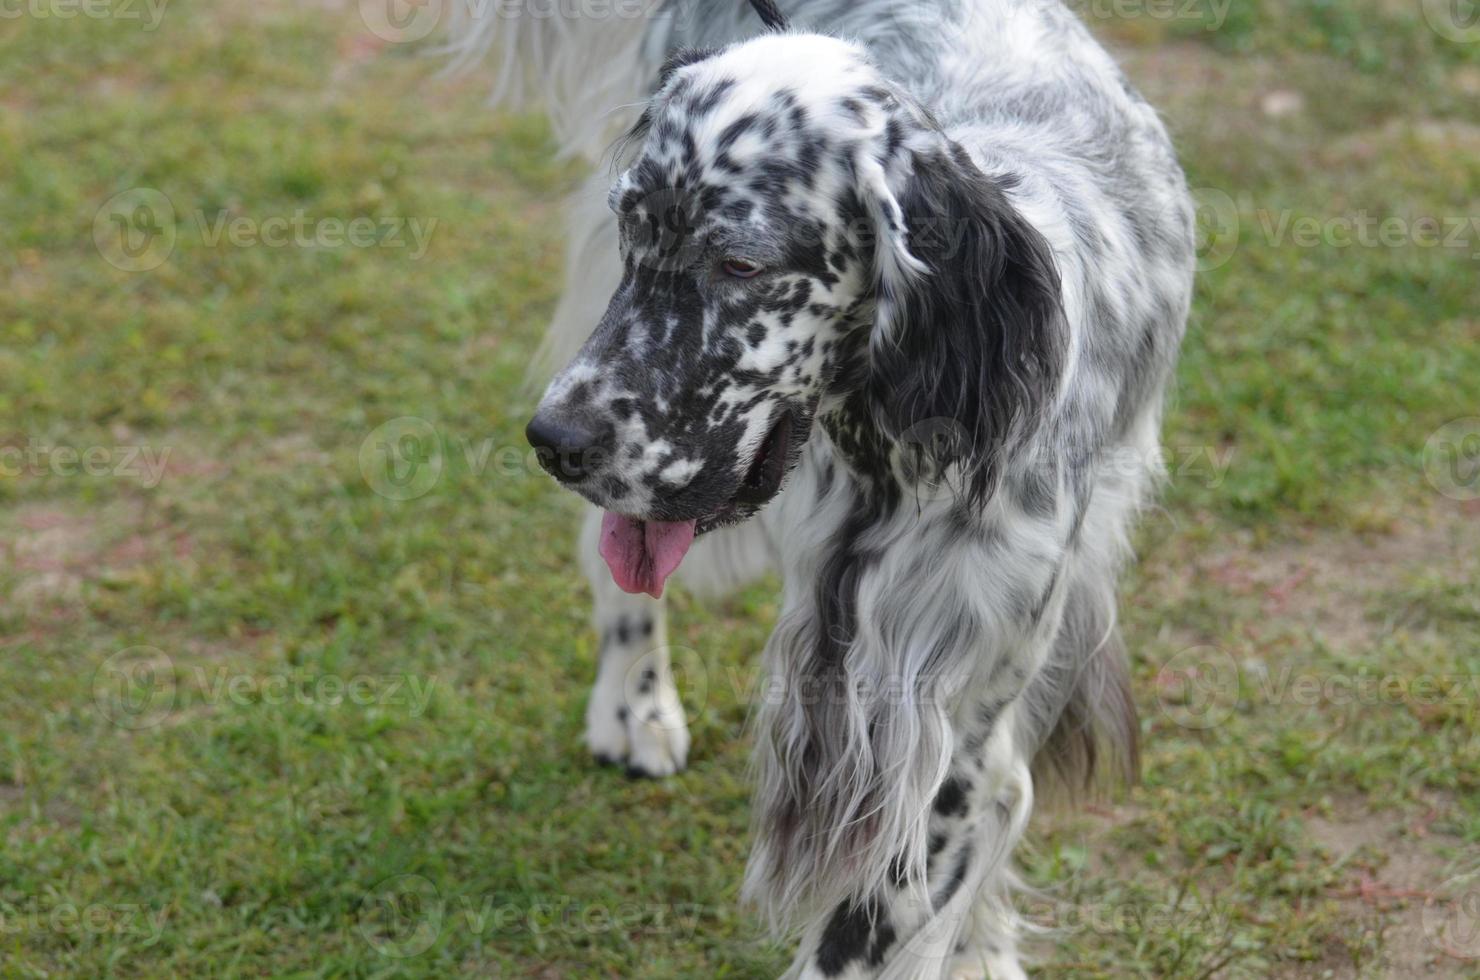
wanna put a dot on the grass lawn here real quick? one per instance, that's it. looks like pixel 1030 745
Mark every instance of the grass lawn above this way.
pixel 267 708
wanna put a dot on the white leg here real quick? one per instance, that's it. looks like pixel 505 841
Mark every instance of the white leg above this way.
pixel 965 927
pixel 634 716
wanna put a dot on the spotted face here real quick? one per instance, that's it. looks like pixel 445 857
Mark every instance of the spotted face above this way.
pixel 768 265
pixel 747 271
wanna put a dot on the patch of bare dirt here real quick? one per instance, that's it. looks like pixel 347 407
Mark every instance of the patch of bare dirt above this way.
pixel 1329 582
pixel 1394 868
pixel 1394 137
pixel 56 549
pixel 1180 78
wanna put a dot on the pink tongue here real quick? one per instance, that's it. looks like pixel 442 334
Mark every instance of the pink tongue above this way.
pixel 642 554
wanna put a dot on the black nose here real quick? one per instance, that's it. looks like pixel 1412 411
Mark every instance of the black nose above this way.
pixel 570 449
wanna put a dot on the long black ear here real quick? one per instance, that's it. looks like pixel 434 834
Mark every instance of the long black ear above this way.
pixel 971 347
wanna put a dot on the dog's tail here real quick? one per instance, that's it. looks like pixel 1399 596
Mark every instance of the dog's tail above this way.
pixel 584 71
pixel 1080 706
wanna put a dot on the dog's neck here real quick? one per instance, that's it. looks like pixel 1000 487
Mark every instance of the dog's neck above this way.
pixel 847 419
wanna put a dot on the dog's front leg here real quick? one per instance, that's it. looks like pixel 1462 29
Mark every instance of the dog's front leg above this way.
pixel 894 748
pixel 962 925
pixel 634 717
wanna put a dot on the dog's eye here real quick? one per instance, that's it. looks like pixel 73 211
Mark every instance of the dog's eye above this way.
pixel 740 269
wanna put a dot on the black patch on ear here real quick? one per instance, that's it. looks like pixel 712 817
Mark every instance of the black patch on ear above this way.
pixel 977 344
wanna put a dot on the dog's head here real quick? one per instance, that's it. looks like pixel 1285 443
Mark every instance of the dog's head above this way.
pixel 794 233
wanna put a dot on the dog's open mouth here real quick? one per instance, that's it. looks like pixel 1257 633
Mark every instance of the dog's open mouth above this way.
pixel 642 554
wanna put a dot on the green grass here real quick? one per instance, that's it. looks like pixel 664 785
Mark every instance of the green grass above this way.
pixel 260 822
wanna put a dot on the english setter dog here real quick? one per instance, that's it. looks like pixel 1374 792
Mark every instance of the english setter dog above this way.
pixel 885 296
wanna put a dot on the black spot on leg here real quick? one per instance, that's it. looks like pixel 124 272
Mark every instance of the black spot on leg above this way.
pixel 883 939
pixel 848 936
pixel 843 940
pixel 624 634
pixel 622 714
pixel 958 875
pixel 951 800
pixel 646 680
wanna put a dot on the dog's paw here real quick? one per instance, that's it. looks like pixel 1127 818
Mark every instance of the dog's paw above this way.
pixel 658 742
pixel 642 730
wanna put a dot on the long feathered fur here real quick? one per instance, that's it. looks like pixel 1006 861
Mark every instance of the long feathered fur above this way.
pixel 949 604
